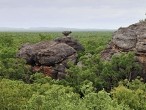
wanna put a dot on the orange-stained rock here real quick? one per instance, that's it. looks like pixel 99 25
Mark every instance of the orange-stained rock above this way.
pixel 36 68
pixel 47 70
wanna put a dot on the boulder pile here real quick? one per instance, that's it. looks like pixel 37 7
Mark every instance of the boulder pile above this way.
pixel 51 57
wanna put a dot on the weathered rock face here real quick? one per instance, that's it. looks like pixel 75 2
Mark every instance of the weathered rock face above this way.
pixel 51 57
pixel 71 42
pixel 125 38
pixel 54 54
pixel 132 38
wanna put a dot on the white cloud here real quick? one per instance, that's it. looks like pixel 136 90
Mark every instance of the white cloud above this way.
pixel 71 13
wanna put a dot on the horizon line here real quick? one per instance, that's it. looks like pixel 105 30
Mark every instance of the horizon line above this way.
pixel 90 28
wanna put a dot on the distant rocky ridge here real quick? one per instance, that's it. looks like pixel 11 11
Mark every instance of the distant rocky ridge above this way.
pixel 51 57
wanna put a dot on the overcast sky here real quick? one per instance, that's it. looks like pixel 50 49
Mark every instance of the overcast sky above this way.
pixel 101 14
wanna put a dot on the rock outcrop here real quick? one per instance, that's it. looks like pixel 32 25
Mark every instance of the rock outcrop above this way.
pixel 71 42
pixel 51 57
pixel 131 38
pixel 66 33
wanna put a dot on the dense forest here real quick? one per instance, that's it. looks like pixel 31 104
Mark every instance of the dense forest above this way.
pixel 96 85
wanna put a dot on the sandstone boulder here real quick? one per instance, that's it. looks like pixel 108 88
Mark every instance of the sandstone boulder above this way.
pixel 54 54
pixel 46 53
pixel 71 42
pixel 125 38
pixel 51 57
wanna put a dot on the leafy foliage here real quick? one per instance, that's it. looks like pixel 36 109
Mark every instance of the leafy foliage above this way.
pixel 133 94
pixel 92 84
pixel 16 95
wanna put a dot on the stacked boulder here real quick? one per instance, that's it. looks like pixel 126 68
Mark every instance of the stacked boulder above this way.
pixel 51 57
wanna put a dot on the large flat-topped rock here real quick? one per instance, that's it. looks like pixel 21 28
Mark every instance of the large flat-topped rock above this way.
pixel 54 54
